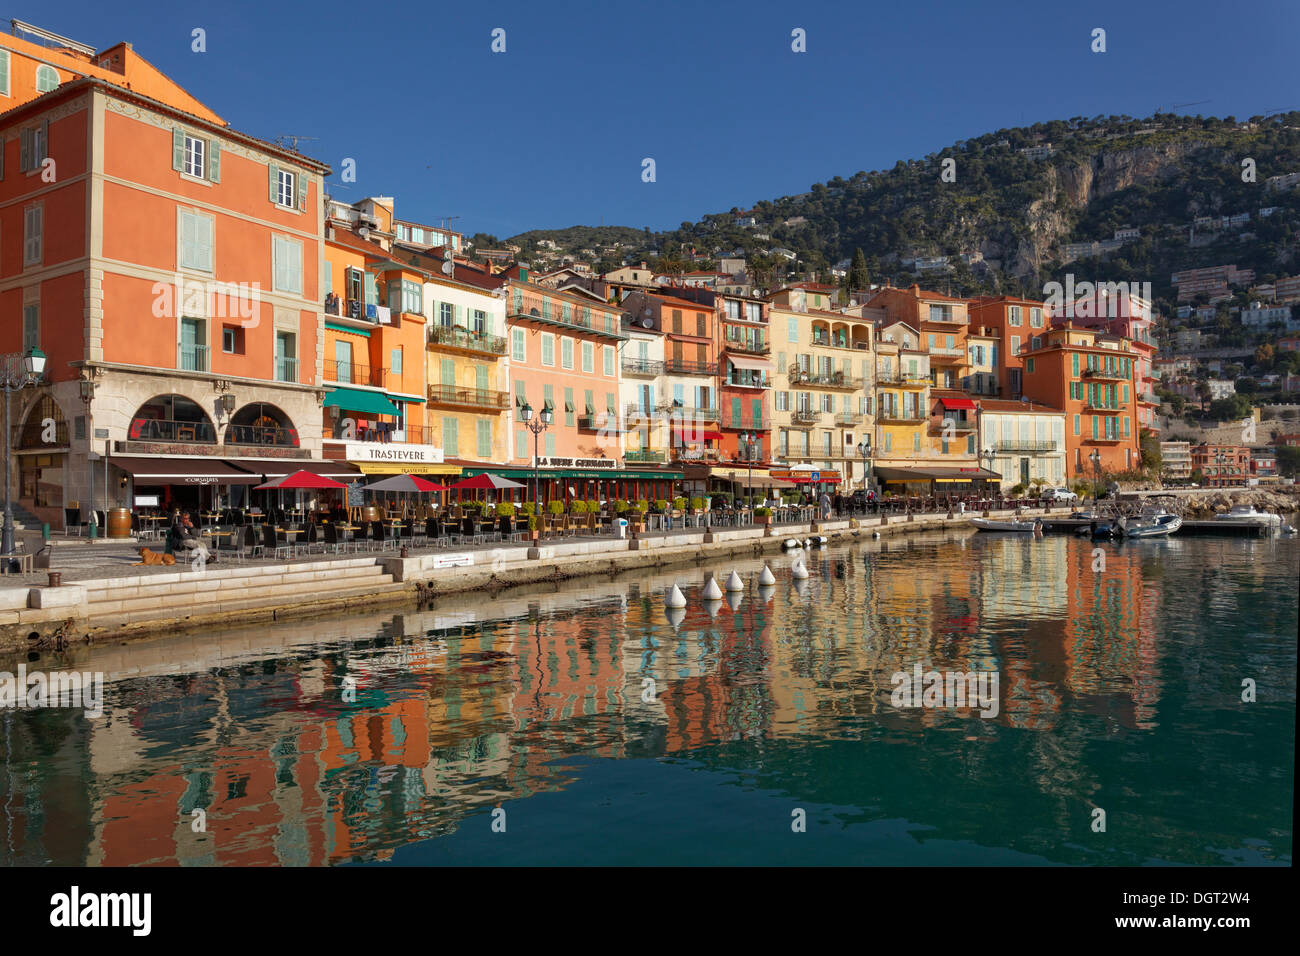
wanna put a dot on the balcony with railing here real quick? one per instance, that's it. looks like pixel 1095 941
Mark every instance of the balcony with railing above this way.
pixel 286 369
pixel 540 308
pixel 748 345
pixel 845 419
pixel 1105 374
pixel 952 424
pixel 945 354
pixel 169 430
pixel 696 454
pixel 477 398
pixel 600 421
pixel 1101 405
pixel 747 378
pixel 676 366
pixel 645 456
pixel 644 368
pixel 805 416
pixel 192 358
pixel 1023 445
pixel 900 380
pixel 945 317
pixel 274 435
pixel 898 416
pixel 744 422
pixel 454 338
pixel 819 379
pixel 350 373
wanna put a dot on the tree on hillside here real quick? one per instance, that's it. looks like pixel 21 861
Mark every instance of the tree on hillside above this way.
pixel 858 277
pixel 1203 392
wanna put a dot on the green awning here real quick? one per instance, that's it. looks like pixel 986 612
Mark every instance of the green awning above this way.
pixel 364 333
pixel 354 400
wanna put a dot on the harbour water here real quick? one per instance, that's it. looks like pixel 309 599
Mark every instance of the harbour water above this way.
pixel 579 724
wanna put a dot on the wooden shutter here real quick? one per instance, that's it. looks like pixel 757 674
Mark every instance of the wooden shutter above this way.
pixel 214 161
pixel 301 181
pixel 25 150
pixel 273 172
pixel 178 148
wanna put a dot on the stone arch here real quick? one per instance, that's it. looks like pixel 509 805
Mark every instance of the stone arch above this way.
pixel 261 423
pixel 170 417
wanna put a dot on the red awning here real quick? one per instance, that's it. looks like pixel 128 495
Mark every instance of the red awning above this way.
pixel 957 403
pixel 689 433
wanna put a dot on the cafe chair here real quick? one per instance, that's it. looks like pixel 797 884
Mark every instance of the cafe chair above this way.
pixel 274 545
pixel 71 522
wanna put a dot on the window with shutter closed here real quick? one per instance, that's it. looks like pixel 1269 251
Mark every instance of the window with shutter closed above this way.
pixel 33 235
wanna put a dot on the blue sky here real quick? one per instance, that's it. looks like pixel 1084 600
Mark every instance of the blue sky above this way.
pixel 552 132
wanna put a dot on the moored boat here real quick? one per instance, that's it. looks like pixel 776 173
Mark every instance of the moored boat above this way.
pixel 1246 514
pixel 993 524
pixel 1156 523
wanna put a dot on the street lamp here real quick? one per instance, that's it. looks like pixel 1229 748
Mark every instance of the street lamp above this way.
pixel 536 427
pixel 864 451
pixel 16 376
pixel 748 440
pixel 1095 458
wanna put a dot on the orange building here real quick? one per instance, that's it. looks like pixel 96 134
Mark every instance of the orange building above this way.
pixel 1091 377
pixel 1015 323
pixel 942 321
pixel 169 267
pixel 374 335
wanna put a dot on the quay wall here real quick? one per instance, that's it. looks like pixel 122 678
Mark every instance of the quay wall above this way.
pixel 135 606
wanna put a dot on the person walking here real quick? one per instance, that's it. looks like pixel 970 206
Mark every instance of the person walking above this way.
pixel 825 502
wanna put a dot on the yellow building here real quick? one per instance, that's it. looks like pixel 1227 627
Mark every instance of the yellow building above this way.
pixel 825 370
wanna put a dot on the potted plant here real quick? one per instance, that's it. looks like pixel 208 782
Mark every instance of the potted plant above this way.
pixel 661 506
pixel 506 516
pixel 679 503
pixel 762 515
pixel 697 505
pixel 637 516
pixel 622 507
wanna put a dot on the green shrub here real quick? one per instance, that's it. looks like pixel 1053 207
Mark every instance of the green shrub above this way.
pixel 527 508
pixel 661 505
pixel 762 512
pixel 505 509
pixel 577 507
pixel 642 506
pixel 697 504
pixel 679 503
pixel 1017 489
pixel 556 508
pixel 621 507
pixel 593 506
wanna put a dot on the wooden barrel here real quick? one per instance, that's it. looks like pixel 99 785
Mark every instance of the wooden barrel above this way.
pixel 119 523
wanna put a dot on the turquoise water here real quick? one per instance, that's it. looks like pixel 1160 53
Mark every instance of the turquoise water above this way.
pixel 579 724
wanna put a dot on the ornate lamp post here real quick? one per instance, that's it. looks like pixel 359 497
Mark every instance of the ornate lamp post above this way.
pixel 864 451
pixel 17 373
pixel 747 442
pixel 536 427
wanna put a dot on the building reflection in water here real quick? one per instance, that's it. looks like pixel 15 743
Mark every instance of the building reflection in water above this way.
pixel 463 708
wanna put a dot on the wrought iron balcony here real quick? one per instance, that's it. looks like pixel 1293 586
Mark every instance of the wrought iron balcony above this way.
pixel 349 373
pixel 468 397
pixel 675 366
pixel 837 380
pixel 805 416
pixel 643 367
pixel 1106 374
pixel 466 340
pixel 1023 445
pixel 192 358
pixel 540 308
pixel 643 455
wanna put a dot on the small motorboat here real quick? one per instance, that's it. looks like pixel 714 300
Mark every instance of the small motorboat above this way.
pixel 1103 529
pixel 1246 514
pixel 1153 523
pixel 1016 525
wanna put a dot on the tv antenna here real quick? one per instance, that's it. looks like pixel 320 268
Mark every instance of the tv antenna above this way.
pixel 290 140
pixel 447 220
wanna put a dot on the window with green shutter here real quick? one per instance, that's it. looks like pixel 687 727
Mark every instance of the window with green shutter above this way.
pixel 521 444
pixel 483 443
pixel 1094 426
pixel 588 357
pixel 609 361
pixel 518 346
pixel 548 397
pixel 548 348
pixel 450 437
pixel 735 412
pixel 756 408
pixel 196 241
pixel 31 326
pixel 287 254
pixel 550 444
pixel 447 372
pixel 588 402
pixel 481 381
pixel 566 352
pixel 568 407
pixel 521 396
pixel 4 72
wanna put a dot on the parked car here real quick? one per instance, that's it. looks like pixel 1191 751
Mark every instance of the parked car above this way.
pixel 1059 494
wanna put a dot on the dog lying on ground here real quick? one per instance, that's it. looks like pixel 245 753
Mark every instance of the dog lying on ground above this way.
pixel 153 557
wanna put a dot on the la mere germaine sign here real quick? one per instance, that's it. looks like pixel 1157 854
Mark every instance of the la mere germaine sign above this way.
pixel 576 463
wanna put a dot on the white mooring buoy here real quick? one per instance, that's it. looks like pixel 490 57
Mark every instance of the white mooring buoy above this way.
pixel 734 583
pixel 675 598
pixel 766 577
pixel 711 590
pixel 799 571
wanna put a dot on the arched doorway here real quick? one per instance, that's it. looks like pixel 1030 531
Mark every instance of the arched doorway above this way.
pixel 261 424
pixel 41 448
pixel 172 418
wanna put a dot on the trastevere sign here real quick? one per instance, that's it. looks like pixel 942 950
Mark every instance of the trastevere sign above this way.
pixel 373 451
